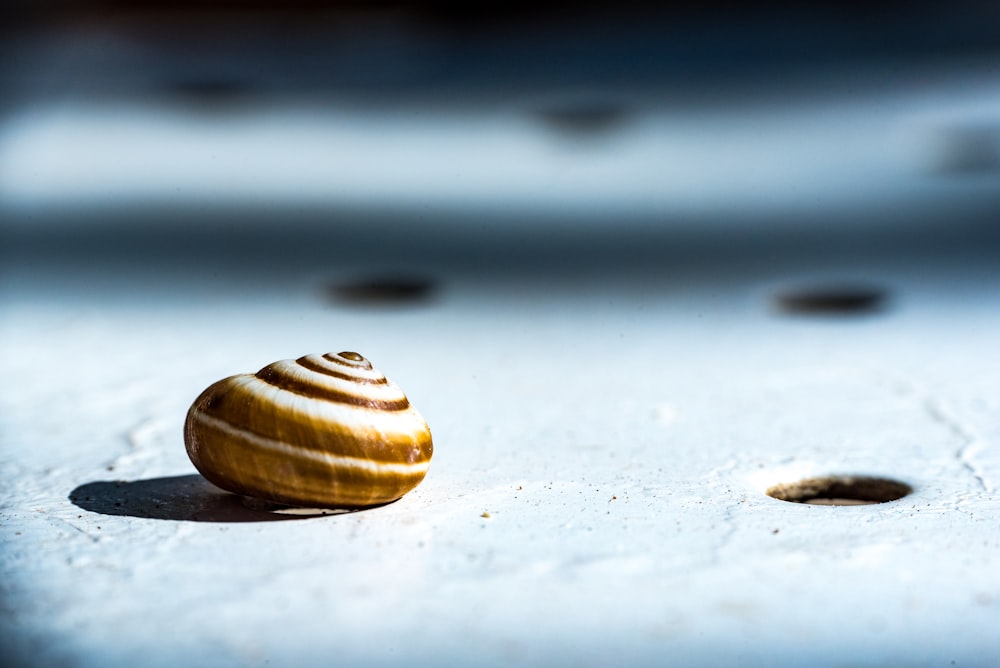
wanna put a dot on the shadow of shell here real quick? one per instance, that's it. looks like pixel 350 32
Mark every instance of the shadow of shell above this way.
pixel 182 498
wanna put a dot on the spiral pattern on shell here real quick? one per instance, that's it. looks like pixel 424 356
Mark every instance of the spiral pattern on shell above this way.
pixel 320 431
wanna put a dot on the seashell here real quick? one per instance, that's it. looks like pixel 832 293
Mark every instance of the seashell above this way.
pixel 320 431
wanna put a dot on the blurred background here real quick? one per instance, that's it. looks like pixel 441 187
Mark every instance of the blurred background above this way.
pixel 396 141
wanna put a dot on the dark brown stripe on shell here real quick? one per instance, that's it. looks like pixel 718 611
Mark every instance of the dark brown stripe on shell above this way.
pixel 273 377
pixel 312 366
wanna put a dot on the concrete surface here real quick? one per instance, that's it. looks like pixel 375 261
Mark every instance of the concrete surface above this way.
pixel 602 447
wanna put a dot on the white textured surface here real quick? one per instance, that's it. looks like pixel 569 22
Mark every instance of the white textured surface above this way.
pixel 618 437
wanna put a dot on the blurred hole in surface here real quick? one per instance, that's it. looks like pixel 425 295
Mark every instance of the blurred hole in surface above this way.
pixel 966 149
pixel 208 92
pixel 831 299
pixel 584 118
pixel 384 291
pixel 840 491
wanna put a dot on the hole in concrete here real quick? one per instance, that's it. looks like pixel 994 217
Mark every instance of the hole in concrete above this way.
pixel 967 149
pixel 211 95
pixel 832 299
pixel 384 291
pixel 582 118
pixel 840 490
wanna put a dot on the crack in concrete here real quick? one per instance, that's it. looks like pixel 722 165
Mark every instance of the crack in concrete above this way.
pixel 141 439
pixel 965 452
pixel 970 443
pixel 723 478
pixel 727 537
pixel 71 525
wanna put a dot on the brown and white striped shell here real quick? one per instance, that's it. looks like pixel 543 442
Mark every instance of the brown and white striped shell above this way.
pixel 320 431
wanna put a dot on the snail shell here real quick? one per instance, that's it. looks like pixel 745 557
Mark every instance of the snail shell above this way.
pixel 320 431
